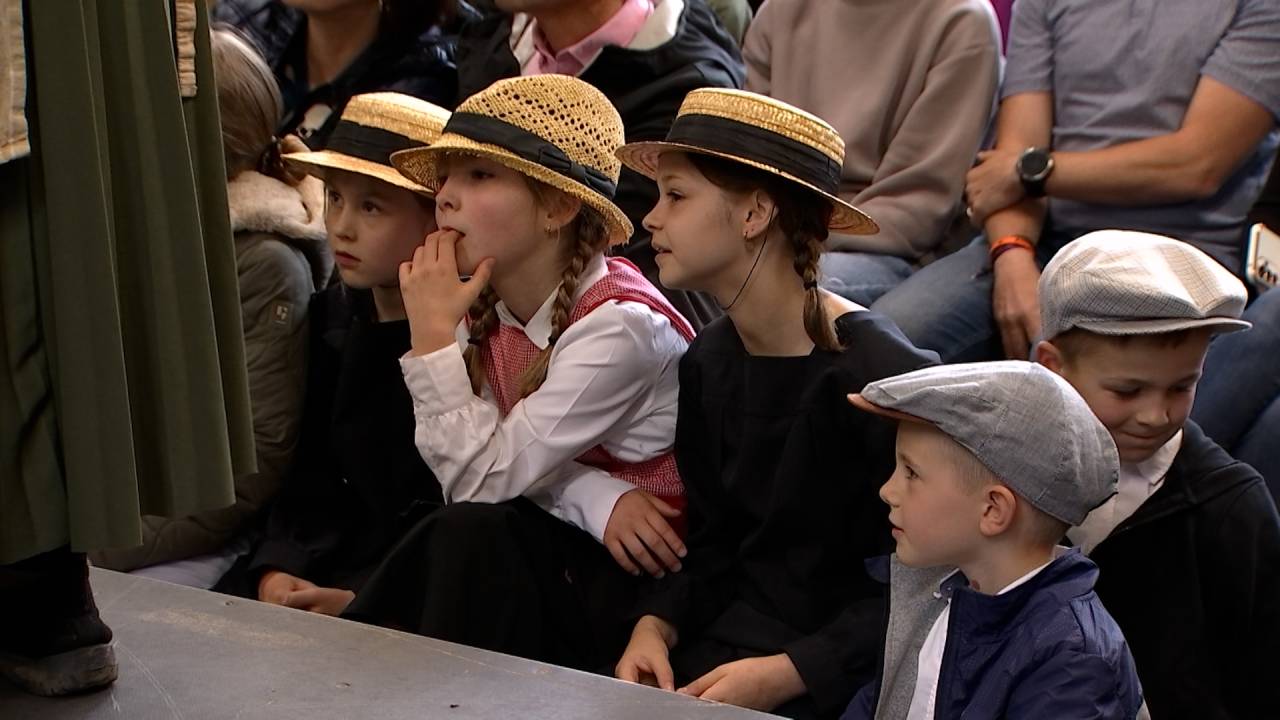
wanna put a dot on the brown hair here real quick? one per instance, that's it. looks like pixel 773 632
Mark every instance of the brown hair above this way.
pixel 1076 342
pixel 250 105
pixel 584 237
pixel 801 215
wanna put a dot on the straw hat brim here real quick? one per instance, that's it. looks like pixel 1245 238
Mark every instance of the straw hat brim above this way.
pixel 316 163
pixel 419 164
pixel 845 218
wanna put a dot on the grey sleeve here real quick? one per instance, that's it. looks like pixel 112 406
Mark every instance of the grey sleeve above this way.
pixel 1029 57
pixel 1247 58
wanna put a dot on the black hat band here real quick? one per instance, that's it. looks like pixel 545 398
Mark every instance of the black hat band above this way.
pixel 528 146
pixel 750 142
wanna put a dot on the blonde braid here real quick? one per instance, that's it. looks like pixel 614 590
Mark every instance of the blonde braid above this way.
pixel 808 249
pixel 484 318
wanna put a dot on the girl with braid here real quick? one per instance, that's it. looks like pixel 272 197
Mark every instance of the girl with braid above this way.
pixel 772 609
pixel 544 387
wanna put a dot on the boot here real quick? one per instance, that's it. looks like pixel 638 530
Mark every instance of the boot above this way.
pixel 52 641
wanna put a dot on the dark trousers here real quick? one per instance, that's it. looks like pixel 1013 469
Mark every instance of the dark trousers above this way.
pixel 506 577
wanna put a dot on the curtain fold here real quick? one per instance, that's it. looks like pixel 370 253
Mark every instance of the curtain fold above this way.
pixel 128 273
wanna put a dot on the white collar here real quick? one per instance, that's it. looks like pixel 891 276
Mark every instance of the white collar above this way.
pixel 1058 552
pixel 1153 470
pixel 538 329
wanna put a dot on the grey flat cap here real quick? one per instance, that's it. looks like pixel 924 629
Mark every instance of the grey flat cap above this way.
pixel 1028 426
pixel 1119 282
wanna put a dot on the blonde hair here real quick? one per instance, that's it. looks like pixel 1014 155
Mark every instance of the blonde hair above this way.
pixel 585 236
pixel 250 105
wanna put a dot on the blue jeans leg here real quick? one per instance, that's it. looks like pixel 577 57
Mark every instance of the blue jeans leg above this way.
pixel 862 277
pixel 1238 400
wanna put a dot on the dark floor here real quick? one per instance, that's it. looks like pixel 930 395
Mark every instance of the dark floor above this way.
pixel 191 654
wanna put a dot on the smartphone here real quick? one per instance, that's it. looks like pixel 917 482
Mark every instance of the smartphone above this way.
pixel 1262 263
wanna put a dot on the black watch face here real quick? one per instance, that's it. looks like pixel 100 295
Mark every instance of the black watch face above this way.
pixel 1034 164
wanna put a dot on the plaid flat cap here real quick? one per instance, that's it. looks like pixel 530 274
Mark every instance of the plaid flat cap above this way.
pixel 1120 282
pixel 1028 426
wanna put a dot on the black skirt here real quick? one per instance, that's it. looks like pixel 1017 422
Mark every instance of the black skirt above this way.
pixel 507 577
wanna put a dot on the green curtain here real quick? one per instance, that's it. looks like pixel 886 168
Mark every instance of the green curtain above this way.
pixel 123 389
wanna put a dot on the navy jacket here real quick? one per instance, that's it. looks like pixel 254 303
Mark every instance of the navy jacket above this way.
pixel 1046 649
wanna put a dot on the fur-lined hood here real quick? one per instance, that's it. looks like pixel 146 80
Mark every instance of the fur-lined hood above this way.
pixel 295 215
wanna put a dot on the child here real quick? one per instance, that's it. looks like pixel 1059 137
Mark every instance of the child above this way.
pixel 987 617
pixel 357 481
pixel 766 612
pixel 281 260
pixel 1189 548
pixel 559 387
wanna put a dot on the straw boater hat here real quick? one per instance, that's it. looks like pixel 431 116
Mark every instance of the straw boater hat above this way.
pixel 554 128
pixel 763 133
pixel 372 127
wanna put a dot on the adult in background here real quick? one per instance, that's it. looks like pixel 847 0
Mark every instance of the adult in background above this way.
pixel 1157 117
pixel 910 129
pixel 644 55
pixel 324 51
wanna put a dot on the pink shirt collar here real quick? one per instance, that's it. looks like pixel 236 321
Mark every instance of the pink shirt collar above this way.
pixel 619 30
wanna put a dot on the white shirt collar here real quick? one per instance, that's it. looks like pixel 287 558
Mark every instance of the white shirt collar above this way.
pixel 538 329
pixel 1153 470
pixel 1058 551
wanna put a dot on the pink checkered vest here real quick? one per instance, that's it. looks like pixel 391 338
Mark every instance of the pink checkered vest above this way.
pixel 508 352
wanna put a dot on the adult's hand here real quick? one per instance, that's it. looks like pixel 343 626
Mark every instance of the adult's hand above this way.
pixel 1015 301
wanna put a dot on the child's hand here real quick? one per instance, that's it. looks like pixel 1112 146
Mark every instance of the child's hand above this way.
pixel 326 601
pixel 638 531
pixel 646 659
pixel 435 298
pixel 761 683
pixel 274 586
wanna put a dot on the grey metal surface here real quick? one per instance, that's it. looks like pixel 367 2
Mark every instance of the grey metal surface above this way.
pixel 189 654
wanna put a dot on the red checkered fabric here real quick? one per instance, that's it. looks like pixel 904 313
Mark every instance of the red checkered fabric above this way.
pixel 508 353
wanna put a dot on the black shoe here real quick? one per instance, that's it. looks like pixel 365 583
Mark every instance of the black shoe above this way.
pixel 52 641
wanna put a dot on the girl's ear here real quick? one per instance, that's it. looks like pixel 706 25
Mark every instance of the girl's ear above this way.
pixel 759 210
pixel 559 209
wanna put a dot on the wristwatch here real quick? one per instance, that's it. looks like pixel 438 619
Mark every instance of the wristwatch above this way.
pixel 1034 167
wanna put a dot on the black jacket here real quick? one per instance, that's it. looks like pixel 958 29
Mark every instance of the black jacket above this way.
pixel 647 87
pixel 358 482
pixel 782 475
pixel 1193 579
pixel 413 61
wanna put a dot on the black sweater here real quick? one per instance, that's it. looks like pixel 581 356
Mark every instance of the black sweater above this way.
pixel 783 478
pixel 358 482
pixel 1193 579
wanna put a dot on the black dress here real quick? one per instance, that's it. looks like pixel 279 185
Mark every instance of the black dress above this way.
pixel 782 476
pixel 357 482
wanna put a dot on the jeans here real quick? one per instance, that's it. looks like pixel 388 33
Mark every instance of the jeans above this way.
pixel 1238 401
pixel 946 306
pixel 862 277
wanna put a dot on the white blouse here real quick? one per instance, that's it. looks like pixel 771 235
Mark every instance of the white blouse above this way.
pixel 612 381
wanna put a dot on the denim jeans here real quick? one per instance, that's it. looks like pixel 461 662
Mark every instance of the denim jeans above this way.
pixel 1238 400
pixel 863 277
pixel 946 306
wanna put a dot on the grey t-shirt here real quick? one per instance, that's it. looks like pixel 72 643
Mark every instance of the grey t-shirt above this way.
pixel 1124 70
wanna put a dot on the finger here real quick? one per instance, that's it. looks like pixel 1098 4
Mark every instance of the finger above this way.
pixel 662 672
pixel 627 670
pixel 702 684
pixel 721 692
pixel 301 599
pixel 620 556
pixel 419 257
pixel 480 278
pixel 984 154
pixel 669 535
pixel 406 269
pixel 636 548
pixel 662 505
pixel 1016 345
pixel 658 545
pixel 447 252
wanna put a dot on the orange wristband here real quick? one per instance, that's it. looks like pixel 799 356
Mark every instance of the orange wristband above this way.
pixel 1007 243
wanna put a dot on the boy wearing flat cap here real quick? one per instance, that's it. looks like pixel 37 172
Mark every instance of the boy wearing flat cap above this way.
pixel 988 617
pixel 1189 547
